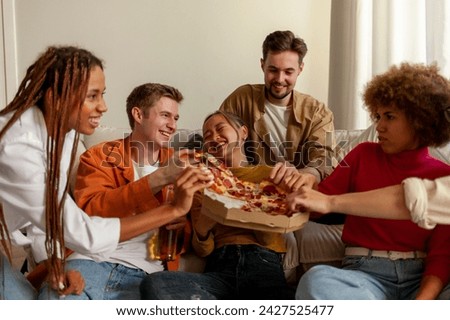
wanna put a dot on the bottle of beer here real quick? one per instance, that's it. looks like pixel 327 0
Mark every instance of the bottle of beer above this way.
pixel 163 244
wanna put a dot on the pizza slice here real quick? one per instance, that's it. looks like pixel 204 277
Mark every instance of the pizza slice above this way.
pixel 268 198
pixel 264 196
pixel 224 180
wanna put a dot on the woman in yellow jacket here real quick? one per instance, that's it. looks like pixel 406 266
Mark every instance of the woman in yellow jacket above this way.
pixel 240 263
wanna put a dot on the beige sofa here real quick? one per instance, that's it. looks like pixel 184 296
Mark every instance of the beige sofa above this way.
pixel 311 245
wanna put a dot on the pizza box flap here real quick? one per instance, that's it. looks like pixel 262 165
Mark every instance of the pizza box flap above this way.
pixel 227 211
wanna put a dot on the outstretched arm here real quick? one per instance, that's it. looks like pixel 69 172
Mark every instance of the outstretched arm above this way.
pixel 387 203
pixel 423 201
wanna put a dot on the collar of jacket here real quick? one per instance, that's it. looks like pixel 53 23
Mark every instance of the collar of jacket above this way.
pixel 122 148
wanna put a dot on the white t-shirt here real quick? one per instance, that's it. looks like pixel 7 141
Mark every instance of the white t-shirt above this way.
pixel 276 118
pixel 142 171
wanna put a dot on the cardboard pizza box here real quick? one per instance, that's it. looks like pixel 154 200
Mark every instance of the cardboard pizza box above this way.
pixel 226 211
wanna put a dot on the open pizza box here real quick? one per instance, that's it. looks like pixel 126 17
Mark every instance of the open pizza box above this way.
pixel 225 210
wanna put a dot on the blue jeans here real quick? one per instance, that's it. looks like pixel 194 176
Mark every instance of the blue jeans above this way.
pixel 13 284
pixel 364 278
pixel 231 272
pixel 104 281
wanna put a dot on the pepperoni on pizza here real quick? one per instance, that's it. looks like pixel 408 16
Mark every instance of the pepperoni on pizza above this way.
pixel 264 196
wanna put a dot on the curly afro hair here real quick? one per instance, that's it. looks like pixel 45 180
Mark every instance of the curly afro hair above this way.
pixel 421 93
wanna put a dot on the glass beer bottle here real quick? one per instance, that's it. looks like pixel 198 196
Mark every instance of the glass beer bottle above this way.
pixel 167 239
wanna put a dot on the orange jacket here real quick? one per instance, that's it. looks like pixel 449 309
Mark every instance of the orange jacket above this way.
pixel 105 184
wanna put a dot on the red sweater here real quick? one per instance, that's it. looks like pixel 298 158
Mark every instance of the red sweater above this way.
pixel 367 167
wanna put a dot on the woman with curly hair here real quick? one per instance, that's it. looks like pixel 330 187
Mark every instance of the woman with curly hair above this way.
pixel 391 259
pixel 61 97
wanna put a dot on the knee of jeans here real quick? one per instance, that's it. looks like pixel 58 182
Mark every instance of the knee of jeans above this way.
pixel 150 286
pixel 316 274
pixel 154 279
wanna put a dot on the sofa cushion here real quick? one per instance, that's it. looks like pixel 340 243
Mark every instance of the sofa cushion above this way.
pixel 320 243
pixel 370 134
pixel 104 133
pixel 441 153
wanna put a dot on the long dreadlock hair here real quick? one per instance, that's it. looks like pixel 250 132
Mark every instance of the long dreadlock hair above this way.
pixel 57 84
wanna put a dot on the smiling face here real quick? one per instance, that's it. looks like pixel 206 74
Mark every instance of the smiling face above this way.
pixel 225 142
pixel 86 120
pixel 157 124
pixel 281 71
pixel 395 132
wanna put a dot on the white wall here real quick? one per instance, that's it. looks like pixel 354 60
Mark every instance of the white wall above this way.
pixel 205 48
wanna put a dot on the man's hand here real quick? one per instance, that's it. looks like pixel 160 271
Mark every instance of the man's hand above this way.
pixel 173 167
pixel 290 178
pixel 169 171
pixel 191 180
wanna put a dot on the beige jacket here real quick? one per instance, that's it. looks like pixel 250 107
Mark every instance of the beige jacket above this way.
pixel 309 137
pixel 428 201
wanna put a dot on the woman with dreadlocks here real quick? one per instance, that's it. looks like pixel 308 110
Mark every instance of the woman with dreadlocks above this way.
pixel 61 97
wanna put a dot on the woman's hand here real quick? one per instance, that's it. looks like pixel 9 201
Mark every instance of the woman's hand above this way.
pixel 290 178
pixel 72 282
pixel 310 200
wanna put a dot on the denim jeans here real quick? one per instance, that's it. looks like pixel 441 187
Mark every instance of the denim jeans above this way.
pixel 362 278
pixel 104 281
pixel 13 284
pixel 231 272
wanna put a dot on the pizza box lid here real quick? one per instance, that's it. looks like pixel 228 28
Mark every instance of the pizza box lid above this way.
pixel 225 210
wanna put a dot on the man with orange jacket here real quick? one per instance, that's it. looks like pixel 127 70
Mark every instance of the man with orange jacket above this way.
pixel 126 177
